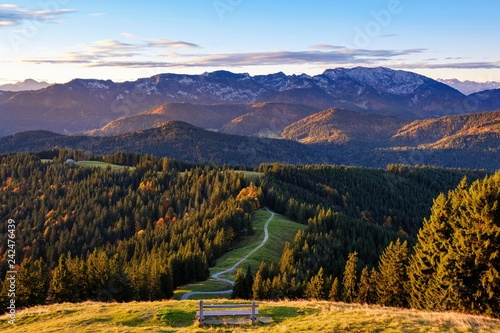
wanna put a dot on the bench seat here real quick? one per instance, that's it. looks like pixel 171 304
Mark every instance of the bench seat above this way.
pixel 227 313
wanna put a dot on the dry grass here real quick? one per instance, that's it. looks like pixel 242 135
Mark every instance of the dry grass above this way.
pixel 288 316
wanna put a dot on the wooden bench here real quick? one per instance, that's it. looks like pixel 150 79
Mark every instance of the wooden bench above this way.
pixel 227 310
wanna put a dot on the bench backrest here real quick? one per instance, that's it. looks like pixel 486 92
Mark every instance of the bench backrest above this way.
pixel 252 305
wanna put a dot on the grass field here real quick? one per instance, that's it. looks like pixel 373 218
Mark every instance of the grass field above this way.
pixel 103 165
pixel 253 176
pixel 287 316
pixel 281 230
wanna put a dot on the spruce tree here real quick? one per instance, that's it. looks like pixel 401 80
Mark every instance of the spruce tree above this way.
pixel 315 288
pixel 33 279
pixel 64 284
pixel 433 242
pixel 286 261
pixel 240 286
pixel 456 262
pixel 391 282
pixel 350 277
pixel 334 294
pixel 259 284
pixel 364 286
pixel 248 283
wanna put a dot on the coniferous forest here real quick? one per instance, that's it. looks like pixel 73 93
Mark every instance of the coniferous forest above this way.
pixel 420 237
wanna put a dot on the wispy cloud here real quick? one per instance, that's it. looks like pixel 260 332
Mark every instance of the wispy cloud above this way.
pixel 108 49
pixel 167 43
pixel 97 14
pixel 11 15
pixel 110 53
pixel 326 47
pixel 127 35
pixel 340 56
pixel 460 65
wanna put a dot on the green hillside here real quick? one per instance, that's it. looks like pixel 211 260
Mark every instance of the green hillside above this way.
pixel 281 230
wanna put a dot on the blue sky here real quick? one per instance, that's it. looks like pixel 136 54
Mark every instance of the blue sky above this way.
pixel 58 40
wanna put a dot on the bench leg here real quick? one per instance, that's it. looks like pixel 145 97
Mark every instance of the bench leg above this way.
pixel 253 313
pixel 201 312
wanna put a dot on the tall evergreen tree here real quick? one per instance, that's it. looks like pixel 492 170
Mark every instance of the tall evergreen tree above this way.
pixel 433 241
pixel 248 283
pixel 33 279
pixel 334 294
pixel 466 274
pixel 364 286
pixel 350 277
pixel 259 290
pixel 391 282
pixel 65 286
pixel 316 287
pixel 240 286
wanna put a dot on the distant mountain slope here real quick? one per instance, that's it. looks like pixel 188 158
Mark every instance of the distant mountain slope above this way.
pixel 28 84
pixel 487 100
pixel 470 87
pixel 452 132
pixel 242 119
pixel 82 105
pixel 211 116
pixel 339 126
pixel 173 139
pixel 268 119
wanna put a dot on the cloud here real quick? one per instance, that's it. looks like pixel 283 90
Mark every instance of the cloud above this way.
pixel 325 47
pixel 11 15
pixel 127 35
pixel 176 44
pixel 108 49
pixel 341 56
pixel 97 14
pixel 389 35
pixel 460 65
pixel 110 53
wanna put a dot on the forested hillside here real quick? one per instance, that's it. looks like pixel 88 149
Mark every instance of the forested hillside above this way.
pixel 361 231
pixel 137 233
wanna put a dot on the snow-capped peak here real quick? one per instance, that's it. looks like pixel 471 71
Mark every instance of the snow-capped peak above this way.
pixel 396 82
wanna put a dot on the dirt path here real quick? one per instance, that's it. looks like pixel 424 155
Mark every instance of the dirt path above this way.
pixel 232 268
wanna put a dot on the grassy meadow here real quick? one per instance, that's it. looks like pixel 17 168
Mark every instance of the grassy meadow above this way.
pixel 287 316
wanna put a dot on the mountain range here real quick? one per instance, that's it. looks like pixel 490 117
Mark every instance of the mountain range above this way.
pixel 470 87
pixel 28 84
pixel 335 136
pixel 359 116
pixel 84 105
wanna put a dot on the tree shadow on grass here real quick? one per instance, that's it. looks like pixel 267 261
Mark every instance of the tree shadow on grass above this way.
pixel 176 317
pixel 279 313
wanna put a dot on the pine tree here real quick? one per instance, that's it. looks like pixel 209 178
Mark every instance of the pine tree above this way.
pixel 33 279
pixel 259 291
pixel 350 277
pixel 248 283
pixel 240 286
pixel 334 294
pixel 372 297
pixel 315 288
pixel 433 241
pixel 391 282
pixel 364 286
pixel 286 261
pixel 462 271
pixel 64 284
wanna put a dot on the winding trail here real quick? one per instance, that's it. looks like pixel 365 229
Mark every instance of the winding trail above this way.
pixel 232 268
